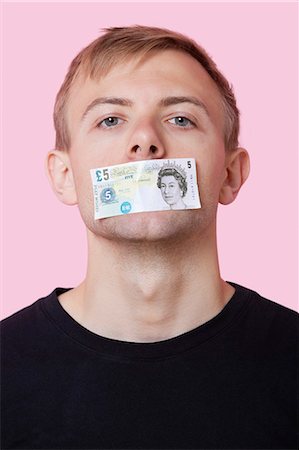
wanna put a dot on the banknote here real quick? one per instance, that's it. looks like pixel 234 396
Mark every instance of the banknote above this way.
pixel 147 185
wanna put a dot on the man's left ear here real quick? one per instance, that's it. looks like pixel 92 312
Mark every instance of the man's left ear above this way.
pixel 237 168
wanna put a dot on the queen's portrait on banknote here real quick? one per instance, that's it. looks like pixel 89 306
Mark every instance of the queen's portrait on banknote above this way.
pixel 173 185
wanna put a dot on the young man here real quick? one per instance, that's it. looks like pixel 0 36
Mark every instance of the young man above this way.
pixel 153 349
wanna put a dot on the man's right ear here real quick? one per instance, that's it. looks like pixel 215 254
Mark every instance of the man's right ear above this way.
pixel 60 175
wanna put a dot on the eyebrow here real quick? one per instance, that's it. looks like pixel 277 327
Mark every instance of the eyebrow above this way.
pixel 106 100
pixel 167 101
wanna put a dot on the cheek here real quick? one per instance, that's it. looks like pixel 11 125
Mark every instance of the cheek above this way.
pixel 83 184
pixel 210 173
pixel 84 191
pixel 90 152
pixel 84 157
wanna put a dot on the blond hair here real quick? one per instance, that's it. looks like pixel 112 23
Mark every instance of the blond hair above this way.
pixel 120 43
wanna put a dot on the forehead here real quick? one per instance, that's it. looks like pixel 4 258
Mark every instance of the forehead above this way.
pixel 146 80
pixel 168 178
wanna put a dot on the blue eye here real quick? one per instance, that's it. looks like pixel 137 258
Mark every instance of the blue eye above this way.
pixel 182 122
pixel 109 122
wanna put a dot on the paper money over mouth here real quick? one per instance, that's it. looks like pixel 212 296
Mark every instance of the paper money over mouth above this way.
pixel 147 185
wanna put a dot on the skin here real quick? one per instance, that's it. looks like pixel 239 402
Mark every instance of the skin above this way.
pixel 171 192
pixel 150 276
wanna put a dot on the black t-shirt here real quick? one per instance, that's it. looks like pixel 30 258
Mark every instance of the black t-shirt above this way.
pixel 227 384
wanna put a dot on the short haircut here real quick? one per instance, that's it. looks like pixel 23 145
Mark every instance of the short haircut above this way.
pixel 116 46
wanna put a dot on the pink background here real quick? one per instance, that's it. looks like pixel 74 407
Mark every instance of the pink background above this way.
pixel 254 44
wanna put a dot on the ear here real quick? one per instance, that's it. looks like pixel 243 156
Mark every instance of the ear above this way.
pixel 59 172
pixel 237 168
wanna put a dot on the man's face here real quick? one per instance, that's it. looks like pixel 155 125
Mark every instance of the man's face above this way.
pixel 170 189
pixel 142 105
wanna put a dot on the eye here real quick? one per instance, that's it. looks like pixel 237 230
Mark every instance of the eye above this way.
pixel 182 122
pixel 109 122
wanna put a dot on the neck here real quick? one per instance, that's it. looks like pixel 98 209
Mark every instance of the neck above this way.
pixel 149 291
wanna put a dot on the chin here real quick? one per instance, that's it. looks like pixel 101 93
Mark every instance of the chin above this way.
pixel 146 226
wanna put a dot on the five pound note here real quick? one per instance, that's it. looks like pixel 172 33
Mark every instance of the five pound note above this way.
pixel 147 185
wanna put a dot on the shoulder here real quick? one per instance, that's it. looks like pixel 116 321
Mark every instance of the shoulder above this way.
pixel 23 327
pixel 24 317
pixel 263 304
pixel 20 324
pixel 267 319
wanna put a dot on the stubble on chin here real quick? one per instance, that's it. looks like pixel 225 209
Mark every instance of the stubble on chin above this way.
pixel 159 226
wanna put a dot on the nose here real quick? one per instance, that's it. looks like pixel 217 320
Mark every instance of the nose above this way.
pixel 145 143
